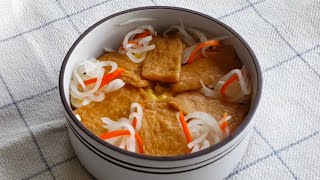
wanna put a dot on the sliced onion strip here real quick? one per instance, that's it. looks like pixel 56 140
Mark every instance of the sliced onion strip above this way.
pixel 207 91
pixel 201 37
pixel 189 40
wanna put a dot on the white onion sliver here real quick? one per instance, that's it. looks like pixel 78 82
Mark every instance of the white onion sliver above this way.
pixel 114 85
pixel 144 41
pixel 195 122
pixel 181 22
pixel 207 91
pixel 131 144
pixel 78 78
pixel 98 98
pixel 132 115
pixel 189 40
pixel 136 20
pixel 202 37
pixel 205 144
pixel 113 65
pixel 107 120
pixel 207 118
pixel 74 95
pixel 225 119
pixel 93 90
pixel 88 69
pixel 130 34
pixel 123 123
pixel 178 117
pixel 108 49
pixel 199 34
pixel 187 53
pixel 245 90
pixel 136 111
pixel 197 140
pixel 148 27
pixel 132 46
pixel 78 117
pixel 123 142
pixel 113 140
pixel 196 148
pixel 142 49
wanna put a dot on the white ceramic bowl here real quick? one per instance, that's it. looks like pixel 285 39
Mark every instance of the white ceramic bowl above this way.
pixel 105 161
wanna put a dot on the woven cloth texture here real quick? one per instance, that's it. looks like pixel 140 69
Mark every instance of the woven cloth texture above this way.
pixel 35 36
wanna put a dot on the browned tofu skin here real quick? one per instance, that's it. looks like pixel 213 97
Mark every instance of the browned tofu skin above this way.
pixel 164 62
pixel 115 105
pixel 225 57
pixel 161 133
pixel 209 70
pixel 132 75
pixel 195 101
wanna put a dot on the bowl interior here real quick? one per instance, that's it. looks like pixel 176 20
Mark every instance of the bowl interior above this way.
pixel 108 33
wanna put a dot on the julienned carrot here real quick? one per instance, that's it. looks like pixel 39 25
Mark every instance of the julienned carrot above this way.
pixel 114 134
pixel 134 123
pixel 107 78
pixel 224 124
pixel 133 42
pixel 122 132
pixel 227 84
pixel 139 142
pixel 142 35
pixel 199 47
pixel 185 127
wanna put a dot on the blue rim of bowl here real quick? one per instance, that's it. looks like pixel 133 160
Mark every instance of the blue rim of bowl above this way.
pixel 243 125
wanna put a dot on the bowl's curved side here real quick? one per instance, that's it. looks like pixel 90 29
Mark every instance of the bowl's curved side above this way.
pixel 102 168
pixel 89 44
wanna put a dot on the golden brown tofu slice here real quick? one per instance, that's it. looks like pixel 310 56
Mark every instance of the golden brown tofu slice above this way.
pixel 209 70
pixel 164 62
pixel 225 57
pixel 132 75
pixel 161 132
pixel 115 105
pixel 195 101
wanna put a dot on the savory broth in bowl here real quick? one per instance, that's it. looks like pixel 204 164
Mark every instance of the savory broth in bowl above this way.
pixel 162 94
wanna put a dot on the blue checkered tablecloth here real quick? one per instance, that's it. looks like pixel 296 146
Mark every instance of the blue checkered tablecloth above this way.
pixel 35 36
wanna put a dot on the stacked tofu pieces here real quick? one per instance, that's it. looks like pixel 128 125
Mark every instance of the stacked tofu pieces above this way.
pixel 161 131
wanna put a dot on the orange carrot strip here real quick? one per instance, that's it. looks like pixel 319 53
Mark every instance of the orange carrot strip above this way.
pixel 114 134
pixel 199 47
pixel 142 35
pixel 90 81
pixel 139 142
pixel 227 84
pixel 133 42
pixel 107 78
pixel 134 123
pixel 185 127
pixel 224 124
pixel 121 132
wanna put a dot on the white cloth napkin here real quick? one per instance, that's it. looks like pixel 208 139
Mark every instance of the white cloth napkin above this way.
pixel 35 36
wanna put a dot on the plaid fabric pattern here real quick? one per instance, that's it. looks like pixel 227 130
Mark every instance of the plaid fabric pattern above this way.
pixel 35 36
